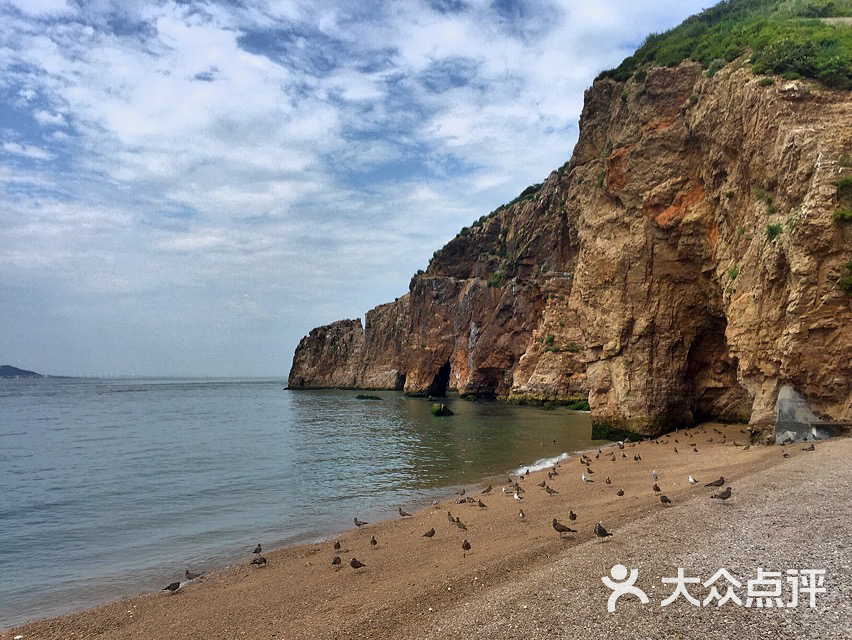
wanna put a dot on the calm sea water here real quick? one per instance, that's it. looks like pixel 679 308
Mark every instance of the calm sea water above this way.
pixel 110 488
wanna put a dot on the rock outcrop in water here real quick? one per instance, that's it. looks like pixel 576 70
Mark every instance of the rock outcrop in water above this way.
pixel 683 265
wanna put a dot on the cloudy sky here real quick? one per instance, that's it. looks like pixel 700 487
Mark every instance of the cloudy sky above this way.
pixel 188 187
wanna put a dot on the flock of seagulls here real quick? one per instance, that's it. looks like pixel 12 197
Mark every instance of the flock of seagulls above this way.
pixel 514 489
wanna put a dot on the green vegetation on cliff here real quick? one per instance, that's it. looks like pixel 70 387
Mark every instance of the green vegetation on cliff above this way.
pixel 792 38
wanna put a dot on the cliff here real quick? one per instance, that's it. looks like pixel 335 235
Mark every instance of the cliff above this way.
pixel 683 265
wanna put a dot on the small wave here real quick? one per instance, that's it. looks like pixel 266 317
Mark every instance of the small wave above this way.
pixel 544 463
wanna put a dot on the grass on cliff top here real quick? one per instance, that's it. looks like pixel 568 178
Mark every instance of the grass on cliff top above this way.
pixel 784 37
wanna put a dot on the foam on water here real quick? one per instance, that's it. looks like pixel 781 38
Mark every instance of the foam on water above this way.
pixel 544 463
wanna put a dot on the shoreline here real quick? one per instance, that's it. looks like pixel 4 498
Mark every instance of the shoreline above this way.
pixel 303 569
pixel 235 559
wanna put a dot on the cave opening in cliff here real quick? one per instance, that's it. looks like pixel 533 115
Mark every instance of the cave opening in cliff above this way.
pixel 440 381
pixel 399 385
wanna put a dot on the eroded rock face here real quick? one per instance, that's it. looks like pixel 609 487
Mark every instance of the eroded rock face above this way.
pixel 641 275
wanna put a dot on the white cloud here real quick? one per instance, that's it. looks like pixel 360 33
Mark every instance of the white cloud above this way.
pixel 251 188
pixel 26 151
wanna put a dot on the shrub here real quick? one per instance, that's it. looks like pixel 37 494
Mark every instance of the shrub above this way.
pixel 733 272
pixel 693 99
pixel 496 278
pixel 773 231
pixel 418 273
pixel 843 215
pixel 782 37
pixel 844 186
pixel 845 281
pixel 741 231
pixel 768 81
pixel 640 76
pixel 715 66
pixel 573 347
pixel 549 339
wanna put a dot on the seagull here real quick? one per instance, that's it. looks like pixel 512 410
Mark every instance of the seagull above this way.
pixel 192 576
pixel 460 493
pixel 174 586
pixel 716 483
pixel 542 484
pixel 810 448
pixel 654 474
pixel 257 549
pixel 373 541
pixel 785 455
pixel 521 514
pixel 481 504
pixel 656 488
pixel 620 492
pixel 358 523
pixel 486 490
pixel 429 533
pixel 517 497
pixel 460 524
pixel 608 481
pixel 572 516
pixel 692 480
pixel 665 500
pixel 600 532
pixel 724 495
pixel 259 560
pixel 355 564
pixel 550 491
pixel 561 528
pixel 585 479
pixel 465 547
pixel 404 514
pixel 337 545
pixel 335 561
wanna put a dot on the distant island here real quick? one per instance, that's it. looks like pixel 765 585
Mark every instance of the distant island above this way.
pixel 8 371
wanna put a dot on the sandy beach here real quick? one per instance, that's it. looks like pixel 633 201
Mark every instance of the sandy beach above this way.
pixel 520 577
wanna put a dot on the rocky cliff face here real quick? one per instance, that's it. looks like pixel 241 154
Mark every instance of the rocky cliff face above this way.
pixel 682 265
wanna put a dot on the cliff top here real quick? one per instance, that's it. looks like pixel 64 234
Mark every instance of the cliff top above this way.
pixel 791 38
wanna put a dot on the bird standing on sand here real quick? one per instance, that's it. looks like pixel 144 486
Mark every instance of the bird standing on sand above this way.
pixel 600 532
pixel 517 497
pixel 451 518
pixel 460 524
pixel 355 564
pixel 692 480
pixel 724 495
pixel 608 481
pixel 665 500
pixel 358 523
pixel 810 448
pixel 521 514
pixel 257 549
pixel 656 488
pixel 404 514
pixel 259 561
pixel 336 561
pixel 373 542
pixel 550 491
pixel 192 576
pixel 429 533
pixel 572 516
pixel 654 474
pixel 337 545
pixel 486 490
pixel 619 493
pixel 174 586
pixel 465 547
pixel 716 483
pixel 585 479
pixel 561 528
pixel 481 504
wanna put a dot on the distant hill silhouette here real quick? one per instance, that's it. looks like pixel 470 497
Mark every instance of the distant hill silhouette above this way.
pixel 8 371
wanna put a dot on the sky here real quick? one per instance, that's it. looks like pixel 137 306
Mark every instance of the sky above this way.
pixel 189 187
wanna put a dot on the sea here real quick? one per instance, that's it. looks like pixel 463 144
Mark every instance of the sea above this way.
pixel 110 488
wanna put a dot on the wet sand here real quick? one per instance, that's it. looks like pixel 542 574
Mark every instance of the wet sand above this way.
pixel 411 581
